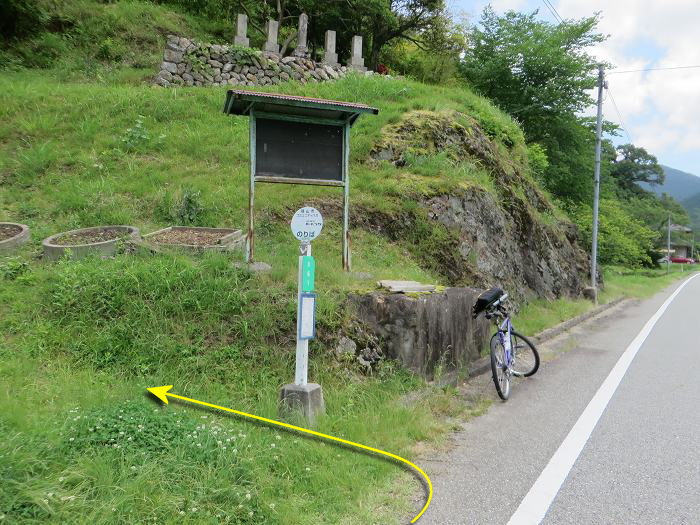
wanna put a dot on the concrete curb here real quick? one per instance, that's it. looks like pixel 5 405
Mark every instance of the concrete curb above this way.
pixel 483 365
pixel 54 252
pixel 9 245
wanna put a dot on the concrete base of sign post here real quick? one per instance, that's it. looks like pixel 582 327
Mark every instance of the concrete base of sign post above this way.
pixel 307 399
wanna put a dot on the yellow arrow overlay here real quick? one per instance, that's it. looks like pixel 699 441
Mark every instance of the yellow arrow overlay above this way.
pixel 162 393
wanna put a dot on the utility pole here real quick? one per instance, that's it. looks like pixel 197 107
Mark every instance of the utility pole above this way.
pixel 596 179
pixel 668 245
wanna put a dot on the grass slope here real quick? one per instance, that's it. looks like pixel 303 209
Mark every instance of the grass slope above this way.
pixel 83 144
pixel 82 340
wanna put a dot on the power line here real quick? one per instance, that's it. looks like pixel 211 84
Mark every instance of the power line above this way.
pixel 619 115
pixel 652 69
pixel 552 10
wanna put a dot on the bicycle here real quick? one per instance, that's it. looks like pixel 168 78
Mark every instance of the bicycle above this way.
pixel 512 354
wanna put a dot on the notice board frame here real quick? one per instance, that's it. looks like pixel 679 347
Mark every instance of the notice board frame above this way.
pixel 272 106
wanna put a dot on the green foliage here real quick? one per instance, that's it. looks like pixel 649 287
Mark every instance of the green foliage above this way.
pixel 130 427
pixel 190 208
pixel 531 68
pixel 135 136
pixel 635 165
pixel 140 312
pixel 622 239
pixel 541 74
pixel 537 160
pixel 20 18
pixel 13 267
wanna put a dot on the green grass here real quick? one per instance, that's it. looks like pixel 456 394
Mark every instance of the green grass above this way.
pixel 82 340
pixel 89 142
pixel 540 314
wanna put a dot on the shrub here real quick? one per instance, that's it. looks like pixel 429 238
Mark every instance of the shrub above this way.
pixel 622 240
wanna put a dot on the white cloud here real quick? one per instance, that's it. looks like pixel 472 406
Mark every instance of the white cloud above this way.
pixel 662 109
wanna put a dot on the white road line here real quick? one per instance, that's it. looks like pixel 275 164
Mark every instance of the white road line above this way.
pixel 536 502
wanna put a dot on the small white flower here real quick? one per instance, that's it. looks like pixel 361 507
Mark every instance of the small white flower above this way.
pixel 61 479
pixel 273 445
pixel 194 509
pixel 247 496
pixel 71 439
pixel 182 513
pixel 250 514
pixel 278 437
pixel 272 506
pixel 308 469
pixel 240 506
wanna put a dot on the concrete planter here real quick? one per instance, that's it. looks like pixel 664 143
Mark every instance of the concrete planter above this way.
pixel 54 250
pixel 9 245
pixel 229 239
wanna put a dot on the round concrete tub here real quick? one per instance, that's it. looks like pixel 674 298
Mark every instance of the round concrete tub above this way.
pixel 54 251
pixel 12 243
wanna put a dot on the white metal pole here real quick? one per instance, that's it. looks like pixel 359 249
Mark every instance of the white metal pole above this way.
pixel 301 375
pixel 668 245
pixel 596 179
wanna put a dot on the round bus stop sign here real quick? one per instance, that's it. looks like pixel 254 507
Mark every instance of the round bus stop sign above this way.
pixel 307 224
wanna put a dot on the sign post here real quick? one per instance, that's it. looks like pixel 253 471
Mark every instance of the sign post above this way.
pixel 306 226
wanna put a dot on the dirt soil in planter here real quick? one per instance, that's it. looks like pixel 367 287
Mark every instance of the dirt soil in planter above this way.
pixel 189 237
pixel 8 230
pixel 90 237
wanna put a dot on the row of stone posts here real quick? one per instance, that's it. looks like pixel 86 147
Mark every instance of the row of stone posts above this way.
pixel 301 50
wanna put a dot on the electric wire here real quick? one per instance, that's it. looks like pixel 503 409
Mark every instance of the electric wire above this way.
pixel 619 115
pixel 652 69
pixel 552 10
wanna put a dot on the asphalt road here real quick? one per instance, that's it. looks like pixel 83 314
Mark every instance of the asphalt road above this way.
pixel 640 464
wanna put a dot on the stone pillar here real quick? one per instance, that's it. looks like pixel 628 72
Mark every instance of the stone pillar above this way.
pixel 356 61
pixel 330 57
pixel 271 29
pixel 302 50
pixel 241 38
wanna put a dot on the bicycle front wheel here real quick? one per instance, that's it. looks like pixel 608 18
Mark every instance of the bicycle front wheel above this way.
pixel 499 367
pixel 526 359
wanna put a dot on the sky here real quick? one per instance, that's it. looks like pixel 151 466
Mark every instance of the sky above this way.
pixel 660 110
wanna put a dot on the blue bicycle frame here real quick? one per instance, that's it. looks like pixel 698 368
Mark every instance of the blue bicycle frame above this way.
pixel 505 330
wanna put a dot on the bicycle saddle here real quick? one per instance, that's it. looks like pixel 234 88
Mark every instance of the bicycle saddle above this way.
pixel 485 300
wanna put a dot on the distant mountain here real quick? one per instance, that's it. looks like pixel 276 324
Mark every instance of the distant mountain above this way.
pixel 693 206
pixel 678 184
pixel 682 186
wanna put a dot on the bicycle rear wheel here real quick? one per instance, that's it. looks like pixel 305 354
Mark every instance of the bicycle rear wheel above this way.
pixel 526 359
pixel 499 368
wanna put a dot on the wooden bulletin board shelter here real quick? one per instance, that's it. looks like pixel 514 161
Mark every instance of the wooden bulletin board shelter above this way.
pixel 297 140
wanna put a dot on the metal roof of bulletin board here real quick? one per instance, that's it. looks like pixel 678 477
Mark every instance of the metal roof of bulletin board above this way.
pixel 239 102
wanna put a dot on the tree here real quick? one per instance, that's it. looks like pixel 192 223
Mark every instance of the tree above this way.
pixel 634 165
pixel 534 70
pixel 541 74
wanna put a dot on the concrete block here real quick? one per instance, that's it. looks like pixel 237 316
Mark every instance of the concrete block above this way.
pixel 307 399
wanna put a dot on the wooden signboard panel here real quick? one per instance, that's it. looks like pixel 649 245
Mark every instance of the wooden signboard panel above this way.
pixel 298 150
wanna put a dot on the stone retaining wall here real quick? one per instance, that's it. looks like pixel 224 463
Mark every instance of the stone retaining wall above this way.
pixel 426 332
pixel 188 63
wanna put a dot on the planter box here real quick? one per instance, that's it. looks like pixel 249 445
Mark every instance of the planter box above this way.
pixel 9 245
pixel 211 239
pixel 53 251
